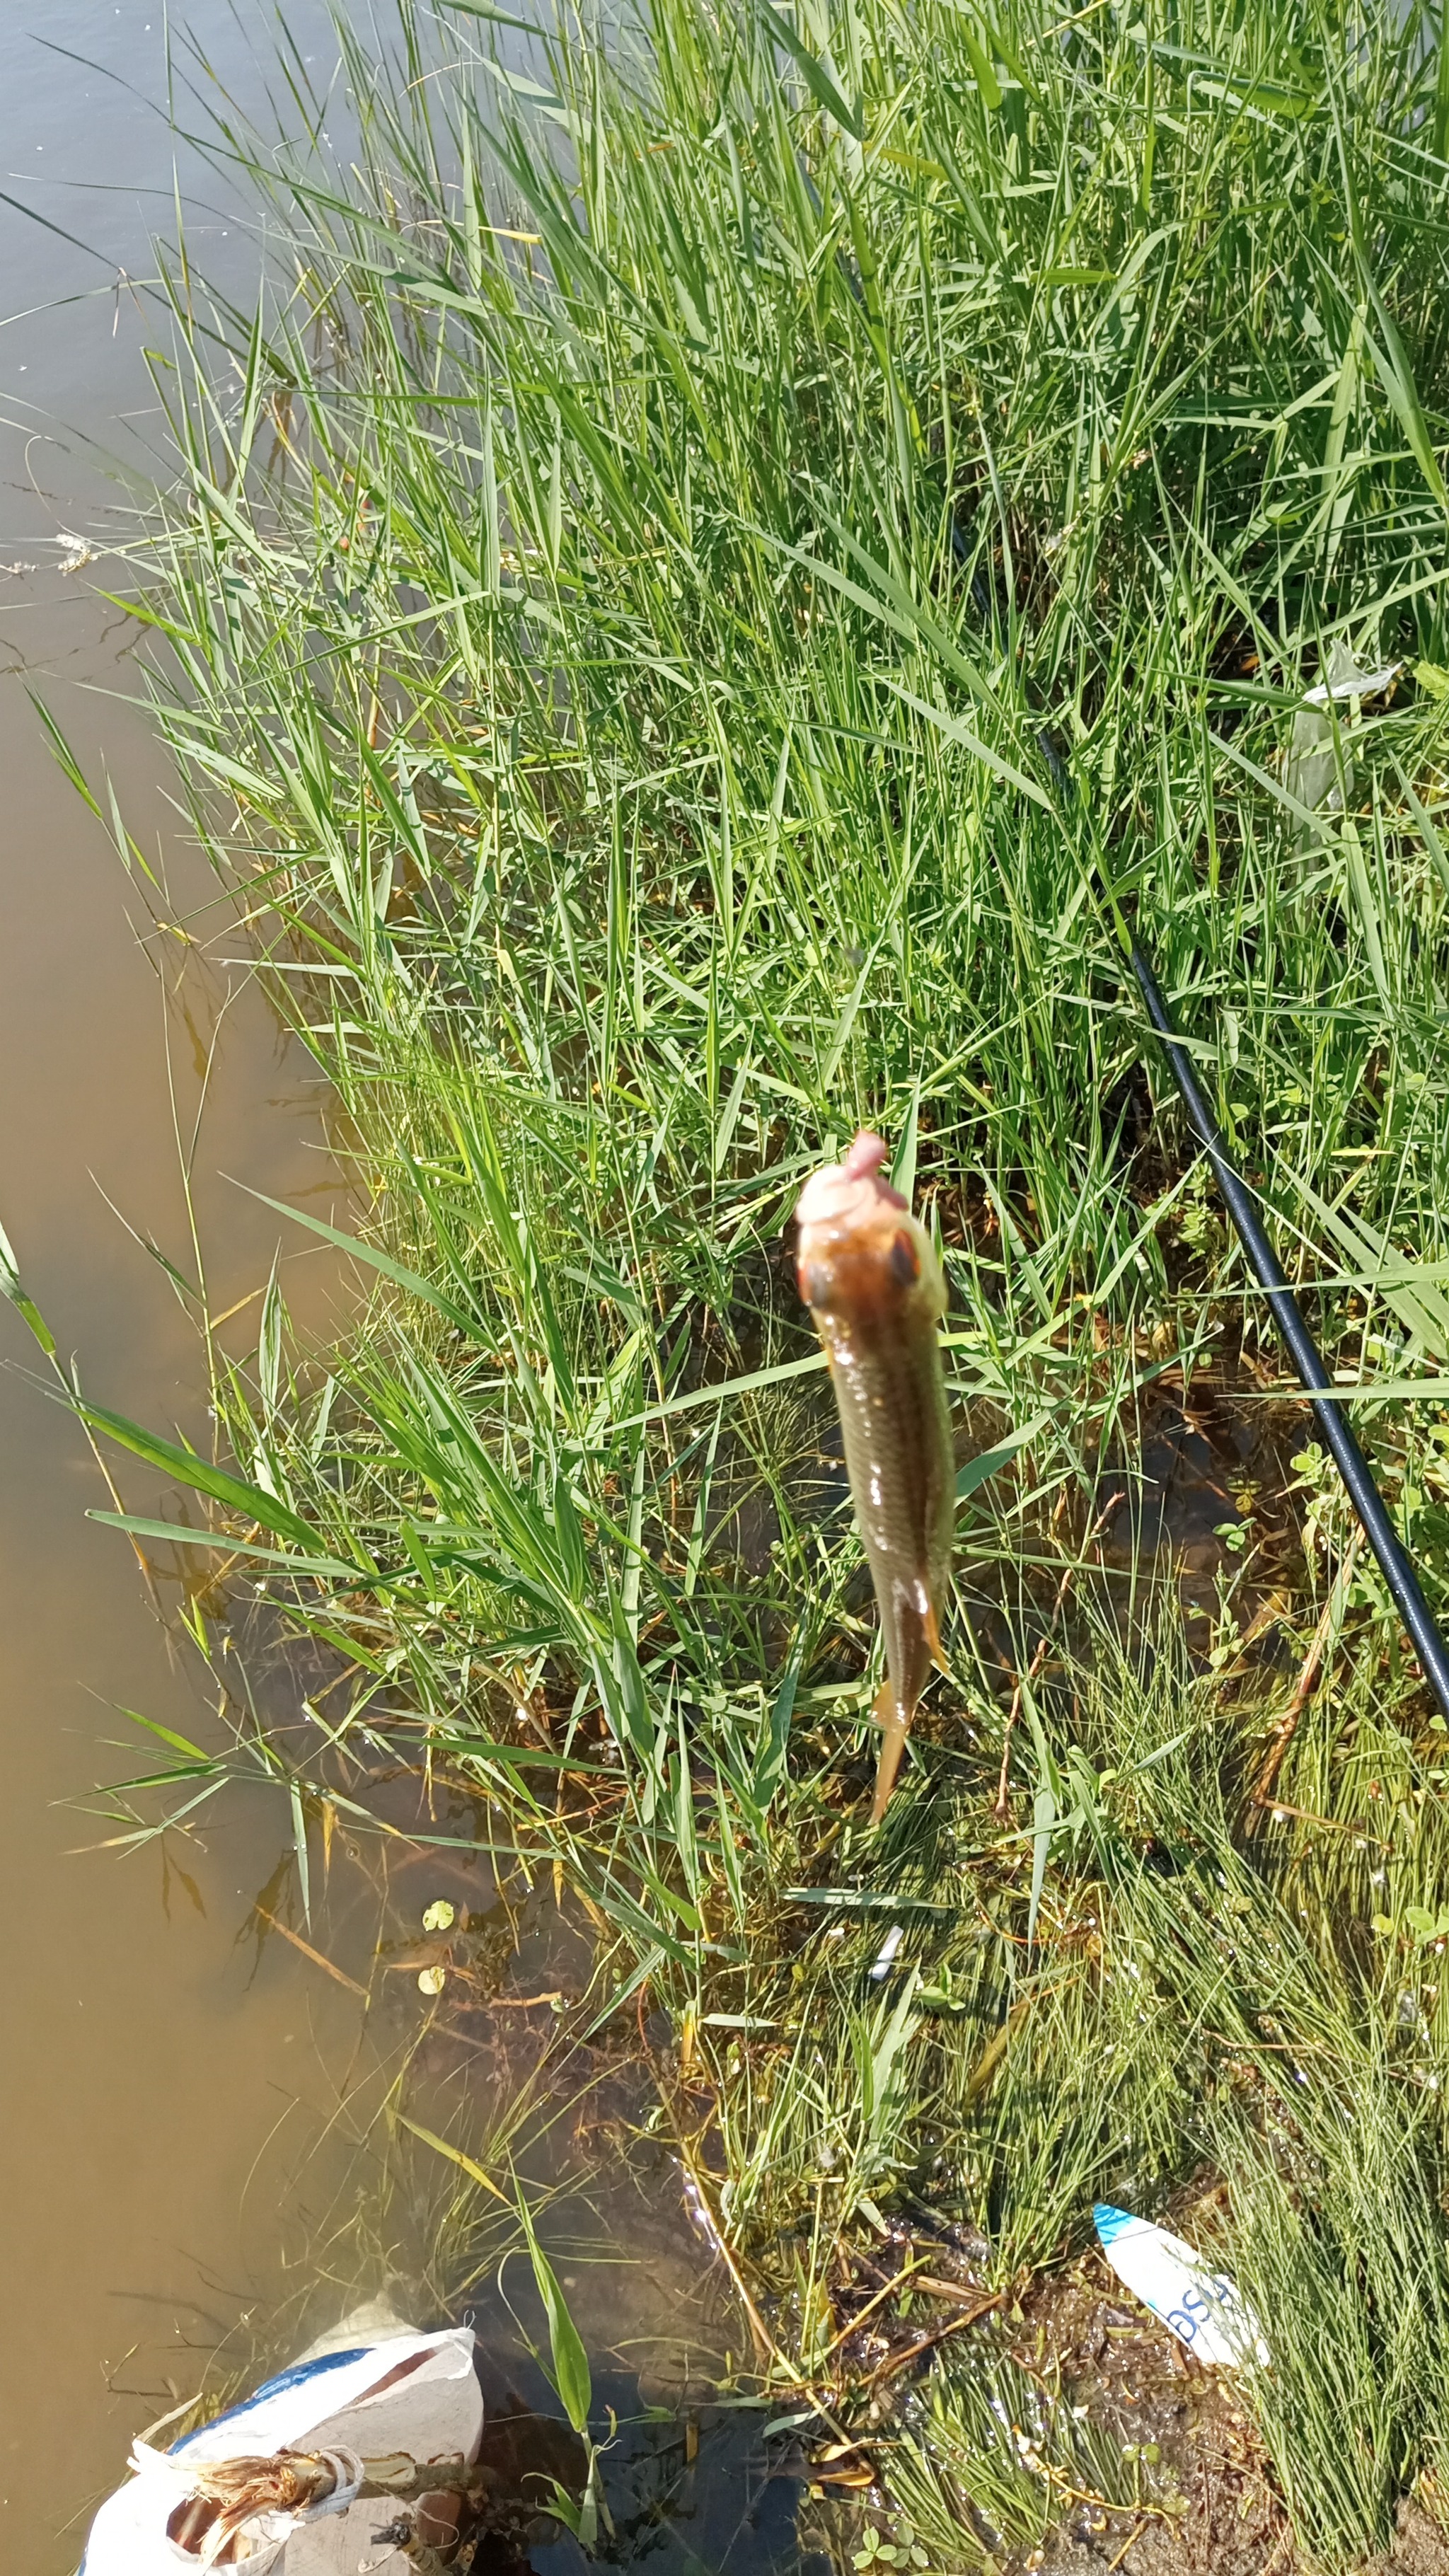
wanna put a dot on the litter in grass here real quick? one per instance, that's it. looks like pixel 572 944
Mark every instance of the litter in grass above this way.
pixel 1203 2309
pixel 1352 683
pixel 1312 773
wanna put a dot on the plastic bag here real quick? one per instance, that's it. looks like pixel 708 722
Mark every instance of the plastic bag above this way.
pixel 433 2408
pixel 1203 2309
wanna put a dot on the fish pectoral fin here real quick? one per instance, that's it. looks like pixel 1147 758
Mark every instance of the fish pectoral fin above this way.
pixel 932 1636
pixel 892 1718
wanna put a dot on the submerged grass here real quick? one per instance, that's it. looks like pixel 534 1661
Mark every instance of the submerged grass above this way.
pixel 633 586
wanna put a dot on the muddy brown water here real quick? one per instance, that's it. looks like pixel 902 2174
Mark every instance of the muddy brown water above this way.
pixel 166 2093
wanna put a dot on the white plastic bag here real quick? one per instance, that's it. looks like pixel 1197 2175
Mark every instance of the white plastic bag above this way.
pixel 335 2395
pixel 1203 2309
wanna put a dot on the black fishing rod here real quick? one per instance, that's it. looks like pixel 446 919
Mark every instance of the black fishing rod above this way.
pixel 1352 1465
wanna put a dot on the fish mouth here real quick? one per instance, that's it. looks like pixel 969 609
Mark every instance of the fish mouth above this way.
pixel 860 1254
pixel 844 1196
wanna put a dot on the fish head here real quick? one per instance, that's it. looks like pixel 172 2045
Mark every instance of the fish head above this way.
pixel 861 1254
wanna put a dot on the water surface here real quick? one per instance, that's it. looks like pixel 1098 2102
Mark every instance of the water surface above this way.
pixel 165 2090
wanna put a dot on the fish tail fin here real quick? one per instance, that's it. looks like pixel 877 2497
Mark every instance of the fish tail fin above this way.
pixel 893 1719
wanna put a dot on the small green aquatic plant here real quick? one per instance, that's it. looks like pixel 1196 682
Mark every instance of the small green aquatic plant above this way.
pixel 997 2459
pixel 573 2384
pixel 615 586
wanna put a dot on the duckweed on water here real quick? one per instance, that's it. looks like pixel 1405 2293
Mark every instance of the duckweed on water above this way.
pixel 616 586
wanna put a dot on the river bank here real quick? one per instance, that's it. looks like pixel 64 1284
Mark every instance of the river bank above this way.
pixel 621 578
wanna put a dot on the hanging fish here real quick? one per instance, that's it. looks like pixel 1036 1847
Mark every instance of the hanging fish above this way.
pixel 870 1276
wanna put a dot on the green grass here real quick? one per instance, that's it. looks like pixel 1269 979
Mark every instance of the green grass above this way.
pixel 615 590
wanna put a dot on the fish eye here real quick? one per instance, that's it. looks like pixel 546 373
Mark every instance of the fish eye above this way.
pixel 905 1260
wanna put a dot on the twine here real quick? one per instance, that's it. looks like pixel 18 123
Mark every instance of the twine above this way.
pixel 348 2473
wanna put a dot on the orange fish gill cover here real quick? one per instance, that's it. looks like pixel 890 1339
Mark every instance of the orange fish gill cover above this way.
pixel 870 1276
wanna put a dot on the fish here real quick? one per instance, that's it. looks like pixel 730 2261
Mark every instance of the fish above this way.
pixel 870 1275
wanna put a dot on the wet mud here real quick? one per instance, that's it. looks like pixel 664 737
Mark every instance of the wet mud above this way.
pixel 1201 1496
pixel 1212 2507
